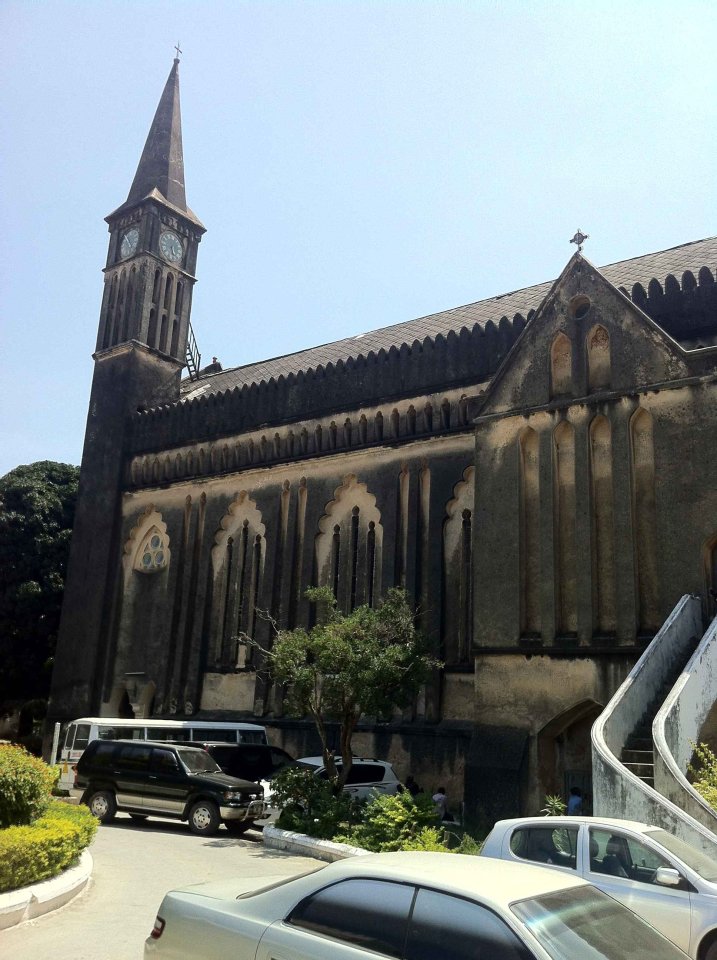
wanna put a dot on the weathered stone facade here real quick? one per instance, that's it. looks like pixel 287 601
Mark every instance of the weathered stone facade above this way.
pixel 536 469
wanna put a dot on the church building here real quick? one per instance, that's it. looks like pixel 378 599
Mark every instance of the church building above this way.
pixel 536 469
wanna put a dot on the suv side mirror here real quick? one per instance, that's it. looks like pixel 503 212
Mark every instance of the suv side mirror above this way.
pixel 667 877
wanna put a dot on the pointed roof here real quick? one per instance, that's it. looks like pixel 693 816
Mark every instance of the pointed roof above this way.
pixel 161 165
pixel 623 275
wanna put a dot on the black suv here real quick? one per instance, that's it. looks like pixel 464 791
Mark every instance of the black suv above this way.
pixel 165 780
pixel 248 761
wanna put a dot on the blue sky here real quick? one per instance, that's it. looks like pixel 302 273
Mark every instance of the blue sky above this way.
pixel 356 164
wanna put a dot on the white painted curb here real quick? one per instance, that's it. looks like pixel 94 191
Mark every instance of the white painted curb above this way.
pixel 299 843
pixel 33 901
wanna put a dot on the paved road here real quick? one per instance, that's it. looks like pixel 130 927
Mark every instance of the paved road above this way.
pixel 135 864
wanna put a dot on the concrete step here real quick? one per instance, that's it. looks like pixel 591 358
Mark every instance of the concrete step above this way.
pixel 639 743
pixel 637 756
pixel 645 771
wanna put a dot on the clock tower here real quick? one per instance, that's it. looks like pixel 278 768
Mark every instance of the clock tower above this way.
pixel 152 253
pixel 139 356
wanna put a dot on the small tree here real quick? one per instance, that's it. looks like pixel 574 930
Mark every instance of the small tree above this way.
pixel 367 662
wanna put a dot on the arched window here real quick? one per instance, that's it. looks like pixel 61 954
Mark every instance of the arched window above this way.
pixel 598 351
pixel 163 334
pixel 152 330
pixel 561 364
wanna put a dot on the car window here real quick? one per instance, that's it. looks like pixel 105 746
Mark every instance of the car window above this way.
pixel 366 773
pixel 170 733
pixel 198 761
pixel 164 761
pixel 134 758
pixel 103 755
pixel 700 862
pixel 372 914
pixel 455 929
pixel 226 736
pixel 82 736
pixel 280 758
pixel 621 855
pixel 552 845
pixel 251 736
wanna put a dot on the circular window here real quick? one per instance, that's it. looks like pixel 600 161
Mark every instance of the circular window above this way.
pixel 152 557
pixel 579 306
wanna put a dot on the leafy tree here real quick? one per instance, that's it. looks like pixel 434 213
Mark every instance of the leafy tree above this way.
pixel 367 662
pixel 37 506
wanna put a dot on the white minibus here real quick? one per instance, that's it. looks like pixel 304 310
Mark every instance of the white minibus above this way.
pixel 81 732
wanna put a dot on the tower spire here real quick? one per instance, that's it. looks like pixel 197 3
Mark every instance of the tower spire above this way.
pixel 161 165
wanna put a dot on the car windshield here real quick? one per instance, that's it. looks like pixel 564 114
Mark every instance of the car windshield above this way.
pixel 197 761
pixel 584 922
pixel 699 861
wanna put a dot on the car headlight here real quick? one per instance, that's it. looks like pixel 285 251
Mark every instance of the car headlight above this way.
pixel 238 795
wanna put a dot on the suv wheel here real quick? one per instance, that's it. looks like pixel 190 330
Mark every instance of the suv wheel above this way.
pixel 102 805
pixel 204 818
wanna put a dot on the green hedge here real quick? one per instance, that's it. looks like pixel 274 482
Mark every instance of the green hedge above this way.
pixel 25 786
pixel 46 847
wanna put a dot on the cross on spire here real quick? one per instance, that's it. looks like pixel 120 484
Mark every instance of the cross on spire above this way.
pixel 579 239
pixel 179 52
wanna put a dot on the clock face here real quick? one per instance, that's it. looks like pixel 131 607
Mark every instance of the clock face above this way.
pixel 171 246
pixel 129 242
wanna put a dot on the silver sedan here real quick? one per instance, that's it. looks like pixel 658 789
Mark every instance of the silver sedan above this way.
pixel 407 906
pixel 668 882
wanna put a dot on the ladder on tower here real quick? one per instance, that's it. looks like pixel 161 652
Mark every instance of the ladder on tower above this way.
pixel 193 356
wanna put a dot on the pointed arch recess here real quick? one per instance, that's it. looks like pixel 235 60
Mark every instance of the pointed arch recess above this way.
pixel 561 364
pixel 597 345
pixel 238 558
pixel 148 522
pixel 565 530
pixel 644 518
pixel 602 519
pixel 529 535
pixel 349 545
pixel 458 570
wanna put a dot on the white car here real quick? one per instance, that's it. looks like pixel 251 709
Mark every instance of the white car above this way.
pixel 665 880
pixel 366 777
pixel 408 906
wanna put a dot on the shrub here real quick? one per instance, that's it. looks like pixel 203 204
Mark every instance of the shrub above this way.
pixel 430 839
pixel 46 847
pixel 25 786
pixel 703 771
pixel 389 822
pixel 308 805
pixel 555 806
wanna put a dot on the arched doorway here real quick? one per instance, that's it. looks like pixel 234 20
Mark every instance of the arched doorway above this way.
pixel 565 752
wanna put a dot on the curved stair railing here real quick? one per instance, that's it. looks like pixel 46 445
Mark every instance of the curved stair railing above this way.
pixel 678 725
pixel 618 790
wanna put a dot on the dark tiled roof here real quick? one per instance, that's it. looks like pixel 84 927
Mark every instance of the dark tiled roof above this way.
pixel 626 273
